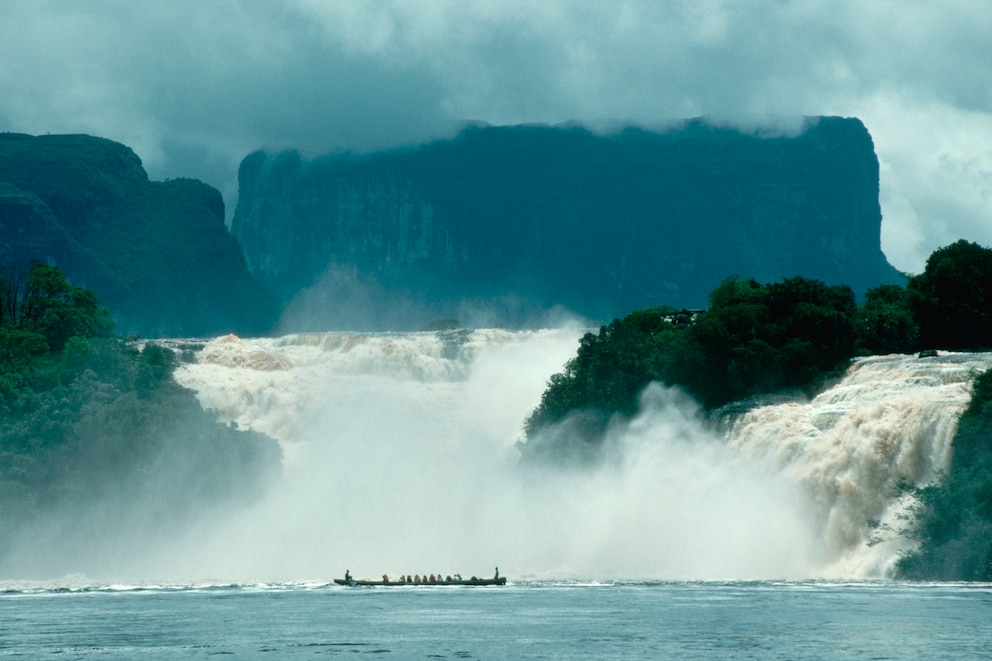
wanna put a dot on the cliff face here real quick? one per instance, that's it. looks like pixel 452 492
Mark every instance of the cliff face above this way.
pixel 157 254
pixel 600 224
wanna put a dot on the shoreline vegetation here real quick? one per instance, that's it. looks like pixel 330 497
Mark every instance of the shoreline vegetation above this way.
pixel 95 433
pixel 794 336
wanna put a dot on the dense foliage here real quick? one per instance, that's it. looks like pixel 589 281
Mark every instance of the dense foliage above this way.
pixel 952 299
pixel 90 420
pixel 765 338
pixel 47 305
pixel 753 339
pixel 954 519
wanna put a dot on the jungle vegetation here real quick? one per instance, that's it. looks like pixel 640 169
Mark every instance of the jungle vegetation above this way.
pixel 87 418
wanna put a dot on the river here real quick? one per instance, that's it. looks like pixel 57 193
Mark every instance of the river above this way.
pixel 524 620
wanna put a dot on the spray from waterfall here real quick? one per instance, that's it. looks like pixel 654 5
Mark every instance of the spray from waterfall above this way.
pixel 400 457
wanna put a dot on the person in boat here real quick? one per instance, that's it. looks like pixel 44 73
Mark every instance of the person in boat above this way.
pixel 347 574
pixel 497 574
pixel 416 578
pixel 433 579
pixel 385 578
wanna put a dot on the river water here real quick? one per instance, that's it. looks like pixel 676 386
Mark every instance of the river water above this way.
pixel 524 620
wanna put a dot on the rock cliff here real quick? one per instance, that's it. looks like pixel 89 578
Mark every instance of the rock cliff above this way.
pixel 157 254
pixel 600 224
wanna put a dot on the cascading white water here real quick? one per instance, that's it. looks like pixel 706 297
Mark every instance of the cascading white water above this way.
pixel 401 458
pixel 890 421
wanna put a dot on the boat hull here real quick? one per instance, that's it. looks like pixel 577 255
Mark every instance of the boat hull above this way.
pixel 354 582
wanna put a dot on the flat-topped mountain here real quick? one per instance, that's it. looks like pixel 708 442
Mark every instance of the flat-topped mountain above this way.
pixel 543 216
pixel 157 254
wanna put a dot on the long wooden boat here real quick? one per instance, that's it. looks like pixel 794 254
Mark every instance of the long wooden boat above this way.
pixel 355 582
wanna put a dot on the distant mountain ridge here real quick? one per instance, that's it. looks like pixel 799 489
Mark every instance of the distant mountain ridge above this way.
pixel 601 224
pixel 157 254
pixel 508 220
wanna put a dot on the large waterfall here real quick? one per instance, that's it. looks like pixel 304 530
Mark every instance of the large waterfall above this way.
pixel 401 457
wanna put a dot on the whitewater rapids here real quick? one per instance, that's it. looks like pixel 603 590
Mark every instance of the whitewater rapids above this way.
pixel 401 457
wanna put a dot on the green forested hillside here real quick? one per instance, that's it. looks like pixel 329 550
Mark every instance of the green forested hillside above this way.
pixel 88 420
pixel 753 339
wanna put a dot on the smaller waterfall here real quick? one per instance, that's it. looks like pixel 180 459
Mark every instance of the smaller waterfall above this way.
pixel 282 386
pixel 889 421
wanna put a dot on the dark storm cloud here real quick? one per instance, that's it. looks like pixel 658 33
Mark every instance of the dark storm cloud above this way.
pixel 195 86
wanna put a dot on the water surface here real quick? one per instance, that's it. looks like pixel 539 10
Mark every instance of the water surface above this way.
pixel 524 620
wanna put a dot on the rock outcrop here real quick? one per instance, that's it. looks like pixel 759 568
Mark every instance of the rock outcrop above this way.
pixel 157 254
pixel 544 216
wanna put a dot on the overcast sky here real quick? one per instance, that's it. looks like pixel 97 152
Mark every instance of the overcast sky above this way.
pixel 194 86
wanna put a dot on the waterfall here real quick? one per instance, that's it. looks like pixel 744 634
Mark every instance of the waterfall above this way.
pixel 401 458
pixel 889 421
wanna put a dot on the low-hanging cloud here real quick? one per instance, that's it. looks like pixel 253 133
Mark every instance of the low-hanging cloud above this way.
pixel 194 87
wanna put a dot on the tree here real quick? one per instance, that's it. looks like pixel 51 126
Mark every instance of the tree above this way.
pixel 11 286
pixel 55 309
pixel 608 372
pixel 952 299
pixel 762 338
pixel 753 339
pixel 886 323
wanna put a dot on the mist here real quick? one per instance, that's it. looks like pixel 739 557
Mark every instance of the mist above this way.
pixel 426 480
pixel 400 457
pixel 115 511
pixel 345 299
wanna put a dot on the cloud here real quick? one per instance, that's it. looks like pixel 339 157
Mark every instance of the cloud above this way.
pixel 193 87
